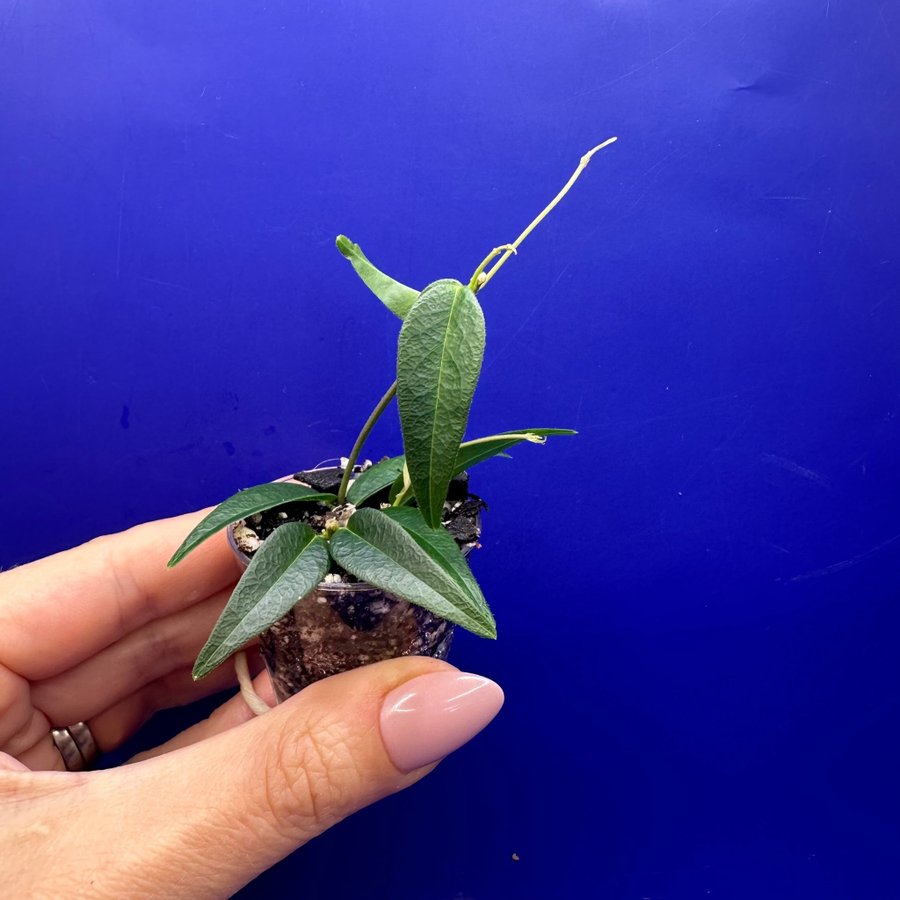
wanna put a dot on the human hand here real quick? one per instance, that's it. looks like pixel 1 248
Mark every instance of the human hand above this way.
pixel 106 634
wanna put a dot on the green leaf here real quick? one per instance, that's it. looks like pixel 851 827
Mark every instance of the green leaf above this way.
pixel 473 452
pixel 246 503
pixel 289 564
pixel 398 298
pixel 396 487
pixel 377 547
pixel 374 479
pixel 440 545
pixel 439 358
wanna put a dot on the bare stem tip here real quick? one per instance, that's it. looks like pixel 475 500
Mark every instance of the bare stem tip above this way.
pixel 587 156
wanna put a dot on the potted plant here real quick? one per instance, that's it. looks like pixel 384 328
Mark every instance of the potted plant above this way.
pixel 353 564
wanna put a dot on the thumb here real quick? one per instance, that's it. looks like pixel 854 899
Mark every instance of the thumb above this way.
pixel 213 815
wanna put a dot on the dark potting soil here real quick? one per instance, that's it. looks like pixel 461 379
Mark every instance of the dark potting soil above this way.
pixel 341 626
pixel 461 515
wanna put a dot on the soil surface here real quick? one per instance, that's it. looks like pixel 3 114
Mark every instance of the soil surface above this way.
pixel 461 518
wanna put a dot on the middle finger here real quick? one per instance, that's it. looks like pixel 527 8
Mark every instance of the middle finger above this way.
pixel 153 651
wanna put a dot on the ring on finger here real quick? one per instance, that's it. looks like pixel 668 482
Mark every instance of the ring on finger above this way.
pixel 76 746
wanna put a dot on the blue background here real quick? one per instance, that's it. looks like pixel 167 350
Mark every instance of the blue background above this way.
pixel 697 597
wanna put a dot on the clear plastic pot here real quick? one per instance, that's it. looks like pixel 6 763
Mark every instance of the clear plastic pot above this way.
pixel 342 625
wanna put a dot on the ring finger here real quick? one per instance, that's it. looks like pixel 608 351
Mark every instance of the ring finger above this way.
pixel 113 726
pixel 159 648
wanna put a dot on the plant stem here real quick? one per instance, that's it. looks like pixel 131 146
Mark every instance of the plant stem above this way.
pixel 473 281
pixel 374 416
pixel 511 248
pixel 406 490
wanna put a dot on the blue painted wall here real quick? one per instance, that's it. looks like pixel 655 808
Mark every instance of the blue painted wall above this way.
pixel 699 622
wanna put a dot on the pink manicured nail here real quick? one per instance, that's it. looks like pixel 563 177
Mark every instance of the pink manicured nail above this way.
pixel 427 718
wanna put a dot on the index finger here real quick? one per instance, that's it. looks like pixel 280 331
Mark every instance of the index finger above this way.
pixel 58 611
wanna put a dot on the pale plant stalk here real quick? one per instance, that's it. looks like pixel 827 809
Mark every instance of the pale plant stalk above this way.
pixel 405 491
pixel 477 280
pixel 511 248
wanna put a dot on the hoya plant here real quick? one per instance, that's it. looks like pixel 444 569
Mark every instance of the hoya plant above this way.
pixel 400 545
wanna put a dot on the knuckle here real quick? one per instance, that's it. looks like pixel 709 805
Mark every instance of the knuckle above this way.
pixel 15 708
pixel 312 779
pixel 158 653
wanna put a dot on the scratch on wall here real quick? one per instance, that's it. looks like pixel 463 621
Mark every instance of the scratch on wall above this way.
pixel 654 59
pixel 834 568
pixel 795 468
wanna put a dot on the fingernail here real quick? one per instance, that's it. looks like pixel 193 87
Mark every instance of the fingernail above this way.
pixel 432 715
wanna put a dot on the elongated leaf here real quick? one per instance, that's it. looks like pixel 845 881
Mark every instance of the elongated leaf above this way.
pixel 246 503
pixel 397 297
pixel 290 563
pixel 439 358
pixel 473 452
pixel 378 549
pixel 440 545
pixel 374 479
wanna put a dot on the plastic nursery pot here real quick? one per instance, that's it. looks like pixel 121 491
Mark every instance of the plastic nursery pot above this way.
pixel 343 625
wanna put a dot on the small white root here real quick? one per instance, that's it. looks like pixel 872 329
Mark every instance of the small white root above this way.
pixel 251 698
